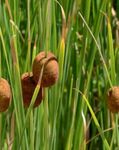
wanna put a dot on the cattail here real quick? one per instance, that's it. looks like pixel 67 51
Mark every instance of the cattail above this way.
pixel 113 99
pixel 28 87
pixel 51 68
pixel 5 95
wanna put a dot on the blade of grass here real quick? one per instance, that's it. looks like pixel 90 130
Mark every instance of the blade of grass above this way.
pixel 95 120
pixel 99 50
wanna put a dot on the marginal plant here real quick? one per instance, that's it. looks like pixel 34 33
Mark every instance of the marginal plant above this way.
pixel 51 68
pixel 5 95
pixel 28 87
pixel 113 99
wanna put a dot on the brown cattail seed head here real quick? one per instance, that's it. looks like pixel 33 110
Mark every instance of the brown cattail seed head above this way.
pixel 51 68
pixel 5 95
pixel 28 87
pixel 113 99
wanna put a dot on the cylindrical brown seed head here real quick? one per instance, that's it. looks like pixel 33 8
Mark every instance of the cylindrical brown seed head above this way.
pixel 113 99
pixel 28 87
pixel 51 68
pixel 5 95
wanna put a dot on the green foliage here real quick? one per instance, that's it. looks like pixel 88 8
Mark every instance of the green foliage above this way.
pixel 84 37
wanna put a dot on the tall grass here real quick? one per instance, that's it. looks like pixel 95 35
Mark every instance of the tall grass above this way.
pixel 84 37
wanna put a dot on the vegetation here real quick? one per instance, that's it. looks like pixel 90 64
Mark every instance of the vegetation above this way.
pixel 84 36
